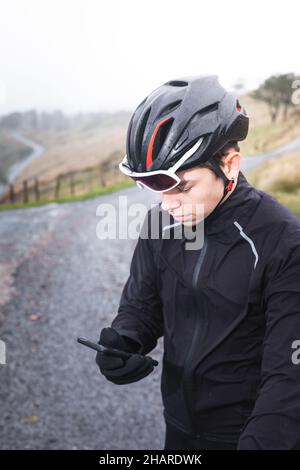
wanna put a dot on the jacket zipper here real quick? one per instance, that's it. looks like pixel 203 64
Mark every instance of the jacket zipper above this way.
pixel 195 281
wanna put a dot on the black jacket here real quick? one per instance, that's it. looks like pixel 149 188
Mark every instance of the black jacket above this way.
pixel 230 315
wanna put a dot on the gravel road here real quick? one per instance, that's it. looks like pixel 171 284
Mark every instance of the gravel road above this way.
pixel 59 281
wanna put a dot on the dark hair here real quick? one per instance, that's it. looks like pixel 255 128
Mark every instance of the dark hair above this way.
pixel 220 154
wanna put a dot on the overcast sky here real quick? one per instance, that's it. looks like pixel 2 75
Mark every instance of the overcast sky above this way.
pixel 94 55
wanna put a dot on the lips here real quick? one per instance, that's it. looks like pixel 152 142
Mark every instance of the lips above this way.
pixel 182 217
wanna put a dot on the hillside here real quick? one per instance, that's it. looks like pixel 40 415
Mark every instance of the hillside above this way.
pixel 85 140
pixel 281 178
pixel 264 135
pixel 11 152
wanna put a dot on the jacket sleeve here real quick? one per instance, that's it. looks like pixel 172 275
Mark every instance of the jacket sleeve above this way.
pixel 275 420
pixel 140 314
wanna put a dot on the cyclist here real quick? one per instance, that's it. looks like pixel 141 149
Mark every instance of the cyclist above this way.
pixel 228 312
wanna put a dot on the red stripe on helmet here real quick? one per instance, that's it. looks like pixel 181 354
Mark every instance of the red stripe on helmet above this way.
pixel 149 159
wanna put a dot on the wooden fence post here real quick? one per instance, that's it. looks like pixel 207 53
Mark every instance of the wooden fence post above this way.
pixel 11 193
pixel 90 180
pixel 25 191
pixel 57 187
pixel 36 189
pixel 102 179
pixel 72 184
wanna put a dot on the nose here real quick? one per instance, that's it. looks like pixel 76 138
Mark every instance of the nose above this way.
pixel 169 202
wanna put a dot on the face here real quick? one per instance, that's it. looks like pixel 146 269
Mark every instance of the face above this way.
pixel 199 192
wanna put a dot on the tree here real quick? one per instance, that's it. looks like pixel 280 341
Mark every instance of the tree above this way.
pixel 276 92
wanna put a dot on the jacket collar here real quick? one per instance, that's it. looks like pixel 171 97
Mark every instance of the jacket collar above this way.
pixel 239 206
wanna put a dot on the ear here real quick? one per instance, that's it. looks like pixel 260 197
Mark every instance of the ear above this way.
pixel 232 164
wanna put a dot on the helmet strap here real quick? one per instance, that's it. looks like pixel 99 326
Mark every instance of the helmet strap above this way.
pixel 228 183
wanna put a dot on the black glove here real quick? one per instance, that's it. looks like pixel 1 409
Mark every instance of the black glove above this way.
pixel 122 371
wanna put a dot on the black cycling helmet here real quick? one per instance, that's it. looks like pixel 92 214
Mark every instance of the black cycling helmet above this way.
pixel 176 115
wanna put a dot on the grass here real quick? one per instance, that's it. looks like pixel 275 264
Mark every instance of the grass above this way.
pixel 291 201
pixel 280 176
pixel 268 136
pixel 80 197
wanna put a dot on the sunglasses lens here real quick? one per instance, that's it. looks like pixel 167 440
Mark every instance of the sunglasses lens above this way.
pixel 157 182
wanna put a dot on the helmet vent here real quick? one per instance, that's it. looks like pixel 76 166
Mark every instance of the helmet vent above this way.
pixel 141 131
pixel 170 107
pixel 208 109
pixel 177 83
pixel 129 136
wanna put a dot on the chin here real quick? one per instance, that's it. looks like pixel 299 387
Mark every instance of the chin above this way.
pixel 196 220
pixel 189 223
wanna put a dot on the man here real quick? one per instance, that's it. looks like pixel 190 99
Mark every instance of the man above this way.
pixel 229 312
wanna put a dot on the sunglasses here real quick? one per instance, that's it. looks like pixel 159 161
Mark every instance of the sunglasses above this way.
pixel 159 180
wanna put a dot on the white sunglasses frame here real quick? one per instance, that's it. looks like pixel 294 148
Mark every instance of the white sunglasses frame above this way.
pixel 169 172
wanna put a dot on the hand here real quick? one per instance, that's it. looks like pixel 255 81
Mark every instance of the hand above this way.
pixel 122 371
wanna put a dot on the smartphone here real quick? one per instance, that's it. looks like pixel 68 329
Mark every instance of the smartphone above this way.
pixel 109 351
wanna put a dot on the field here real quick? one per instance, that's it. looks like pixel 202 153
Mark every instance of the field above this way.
pixel 281 178
pixel 263 134
pixel 74 150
